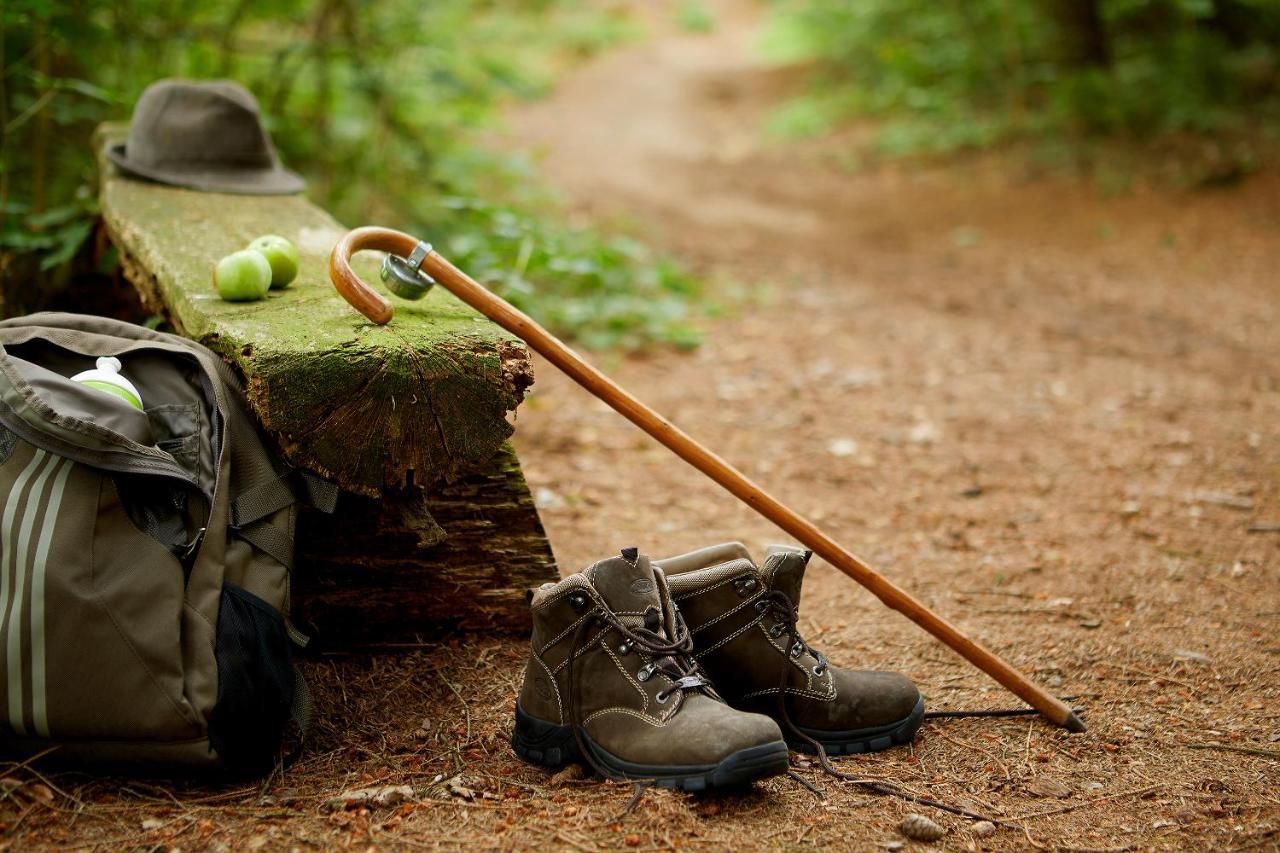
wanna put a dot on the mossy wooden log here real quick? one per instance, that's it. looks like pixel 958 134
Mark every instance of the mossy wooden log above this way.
pixel 436 529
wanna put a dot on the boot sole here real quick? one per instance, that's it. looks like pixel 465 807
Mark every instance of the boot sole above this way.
pixel 871 739
pixel 554 746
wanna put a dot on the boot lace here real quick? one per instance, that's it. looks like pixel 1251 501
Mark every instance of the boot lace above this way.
pixel 670 657
pixel 786 617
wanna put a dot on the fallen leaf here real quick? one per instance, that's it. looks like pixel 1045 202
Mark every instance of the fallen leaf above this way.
pixel 842 447
pixel 458 789
pixel 860 378
pixel 571 773
pixel 40 792
pixel 923 432
pixel 545 498
pixel 1188 654
pixel 387 795
pixel 1220 499
pixel 1045 786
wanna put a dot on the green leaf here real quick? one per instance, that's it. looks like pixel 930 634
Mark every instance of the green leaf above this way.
pixel 69 242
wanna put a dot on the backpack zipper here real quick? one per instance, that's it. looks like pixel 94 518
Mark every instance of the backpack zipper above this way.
pixel 194 545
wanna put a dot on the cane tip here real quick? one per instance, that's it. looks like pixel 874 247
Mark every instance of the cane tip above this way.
pixel 1074 724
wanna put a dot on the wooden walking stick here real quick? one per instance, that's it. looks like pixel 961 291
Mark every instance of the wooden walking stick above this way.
pixel 403 271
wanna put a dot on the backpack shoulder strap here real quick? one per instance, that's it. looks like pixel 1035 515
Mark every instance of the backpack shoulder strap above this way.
pixel 259 501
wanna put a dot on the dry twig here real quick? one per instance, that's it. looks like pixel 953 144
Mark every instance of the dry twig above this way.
pixel 1246 750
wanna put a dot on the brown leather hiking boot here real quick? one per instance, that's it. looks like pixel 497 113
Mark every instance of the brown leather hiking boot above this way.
pixel 610 680
pixel 743 621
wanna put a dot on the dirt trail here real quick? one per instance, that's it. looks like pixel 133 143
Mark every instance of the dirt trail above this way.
pixel 1051 414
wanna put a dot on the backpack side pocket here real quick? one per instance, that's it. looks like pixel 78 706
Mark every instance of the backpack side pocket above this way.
pixel 256 681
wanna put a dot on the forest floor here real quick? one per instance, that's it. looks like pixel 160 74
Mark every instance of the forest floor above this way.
pixel 1052 415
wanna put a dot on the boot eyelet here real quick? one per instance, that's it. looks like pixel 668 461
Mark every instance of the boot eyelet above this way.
pixel 662 697
pixel 578 601
pixel 776 631
pixel 745 586
pixel 819 669
pixel 796 650
pixel 644 673
pixel 762 605
pixel 625 648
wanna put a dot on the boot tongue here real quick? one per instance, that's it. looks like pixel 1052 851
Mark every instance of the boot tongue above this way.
pixel 784 571
pixel 626 583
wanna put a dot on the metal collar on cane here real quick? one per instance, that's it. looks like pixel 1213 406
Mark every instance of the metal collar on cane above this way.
pixel 403 277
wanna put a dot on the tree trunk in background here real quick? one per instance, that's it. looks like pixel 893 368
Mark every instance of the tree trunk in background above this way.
pixel 1084 38
pixel 1240 23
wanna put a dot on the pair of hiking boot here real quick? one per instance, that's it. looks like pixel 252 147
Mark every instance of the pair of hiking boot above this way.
pixel 691 672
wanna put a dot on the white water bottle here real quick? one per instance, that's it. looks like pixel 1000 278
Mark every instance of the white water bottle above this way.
pixel 107 379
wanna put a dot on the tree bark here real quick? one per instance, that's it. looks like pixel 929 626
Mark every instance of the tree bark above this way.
pixel 1084 37
pixel 412 567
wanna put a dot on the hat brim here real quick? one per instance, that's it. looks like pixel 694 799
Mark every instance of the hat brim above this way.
pixel 216 179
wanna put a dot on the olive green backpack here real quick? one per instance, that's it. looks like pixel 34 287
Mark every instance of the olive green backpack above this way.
pixel 145 556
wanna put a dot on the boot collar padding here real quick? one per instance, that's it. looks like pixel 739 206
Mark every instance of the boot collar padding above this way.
pixel 618 584
pixel 704 558
pixel 550 592
pixel 702 580
pixel 697 571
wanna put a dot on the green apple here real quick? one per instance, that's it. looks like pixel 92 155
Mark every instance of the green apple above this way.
pixel 281 254
pixel 242 276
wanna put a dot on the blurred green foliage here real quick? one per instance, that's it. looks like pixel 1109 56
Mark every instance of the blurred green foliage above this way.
pixel 953 75
pixel 694 16
pixel 383 107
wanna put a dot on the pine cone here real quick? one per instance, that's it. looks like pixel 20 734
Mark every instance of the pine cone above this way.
pixel 917 827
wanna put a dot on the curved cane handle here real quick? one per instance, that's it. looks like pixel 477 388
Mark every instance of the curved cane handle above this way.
pixel 362 297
